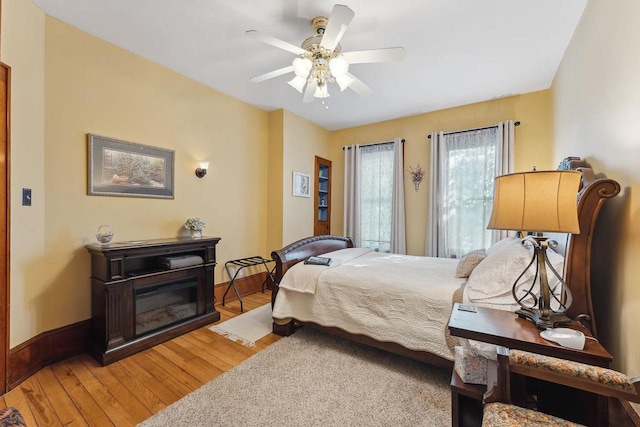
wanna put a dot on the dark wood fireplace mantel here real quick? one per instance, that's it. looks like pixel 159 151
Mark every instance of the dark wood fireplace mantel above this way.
pixel 128 277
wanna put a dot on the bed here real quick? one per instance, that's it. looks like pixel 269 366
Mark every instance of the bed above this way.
pixel 402 303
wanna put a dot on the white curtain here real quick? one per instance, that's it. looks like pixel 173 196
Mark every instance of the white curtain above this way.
pixel 505 162
pixel 463 167
pixel 351 224
pixel 433 230
pixel 398 233
pixel 374 196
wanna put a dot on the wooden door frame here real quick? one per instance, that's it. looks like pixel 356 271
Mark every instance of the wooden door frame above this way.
pixel 5 181
pixel 5 126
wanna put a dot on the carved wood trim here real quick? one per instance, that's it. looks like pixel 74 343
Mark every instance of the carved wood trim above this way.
pixel 594 192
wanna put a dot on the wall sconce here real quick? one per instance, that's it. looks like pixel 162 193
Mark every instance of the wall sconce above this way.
pixel 202 170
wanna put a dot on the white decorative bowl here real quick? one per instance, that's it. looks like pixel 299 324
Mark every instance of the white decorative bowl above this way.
pixel 104 234
pixel 565 337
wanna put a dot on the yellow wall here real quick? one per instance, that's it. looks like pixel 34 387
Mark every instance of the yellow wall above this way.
pixel 293 144
pixel 596 95
pixel 533 148
pixel 23 45
pixel 275 188
pixel 302 142
pixel 92 86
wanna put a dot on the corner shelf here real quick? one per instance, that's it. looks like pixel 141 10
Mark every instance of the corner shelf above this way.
pixel 322 204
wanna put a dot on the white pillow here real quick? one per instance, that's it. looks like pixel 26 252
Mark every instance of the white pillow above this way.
pixel 500 245
pixel 491 281
pixel 468 262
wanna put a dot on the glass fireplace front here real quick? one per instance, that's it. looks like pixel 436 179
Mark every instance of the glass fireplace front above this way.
pixel 161 305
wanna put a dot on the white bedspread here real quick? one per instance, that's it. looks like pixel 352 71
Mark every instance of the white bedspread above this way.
pixel 304 277
pixel 396 298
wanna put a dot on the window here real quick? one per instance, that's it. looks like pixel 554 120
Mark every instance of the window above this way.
pixel 374 196
pixel 469 166
pixel 463 168
pixel 376 192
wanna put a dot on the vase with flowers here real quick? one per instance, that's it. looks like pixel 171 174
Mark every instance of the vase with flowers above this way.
pixel 416 175
pixel 195 226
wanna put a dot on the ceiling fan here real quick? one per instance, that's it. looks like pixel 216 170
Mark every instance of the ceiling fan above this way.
pixel 320 60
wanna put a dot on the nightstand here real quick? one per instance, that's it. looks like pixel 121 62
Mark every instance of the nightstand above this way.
pixel 505 328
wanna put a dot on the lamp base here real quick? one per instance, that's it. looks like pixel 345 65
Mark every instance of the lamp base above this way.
pixel 534 315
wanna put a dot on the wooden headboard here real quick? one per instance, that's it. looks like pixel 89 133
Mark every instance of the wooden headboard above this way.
pixel 298 251
pixel 593 193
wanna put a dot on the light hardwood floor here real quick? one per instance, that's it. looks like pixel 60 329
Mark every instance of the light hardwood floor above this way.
pixel 81 392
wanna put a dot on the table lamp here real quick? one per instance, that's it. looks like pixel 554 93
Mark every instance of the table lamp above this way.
pixel 536 202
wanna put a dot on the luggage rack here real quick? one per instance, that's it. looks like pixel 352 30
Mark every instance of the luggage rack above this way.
pixel 241 263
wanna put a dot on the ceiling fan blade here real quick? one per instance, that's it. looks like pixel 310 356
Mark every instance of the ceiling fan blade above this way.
pixel 359 87
pixel 376 55
pixel 264 38
pixel 339 20
pixel 310 91
pixel 271 74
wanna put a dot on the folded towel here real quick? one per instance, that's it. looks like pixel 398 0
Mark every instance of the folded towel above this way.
pixel 180 261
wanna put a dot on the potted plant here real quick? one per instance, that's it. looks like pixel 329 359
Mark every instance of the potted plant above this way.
pixel 195 226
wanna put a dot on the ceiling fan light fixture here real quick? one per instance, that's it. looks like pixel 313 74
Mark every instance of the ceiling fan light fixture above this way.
pixel 320 60
pixel 302 67
pixel 338 66
pixel 344 81
pixel 298 83
pixel 321 92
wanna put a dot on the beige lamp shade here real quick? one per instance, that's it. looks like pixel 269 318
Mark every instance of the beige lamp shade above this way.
pixel 536 201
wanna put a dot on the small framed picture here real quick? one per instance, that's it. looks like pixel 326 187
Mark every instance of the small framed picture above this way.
pixel 301 184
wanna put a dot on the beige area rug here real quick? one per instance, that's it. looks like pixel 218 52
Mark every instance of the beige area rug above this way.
pixel 248 327
pixel 314 379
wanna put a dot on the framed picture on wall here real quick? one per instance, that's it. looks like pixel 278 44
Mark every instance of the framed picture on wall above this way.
pixel 120 168
pixel 301 184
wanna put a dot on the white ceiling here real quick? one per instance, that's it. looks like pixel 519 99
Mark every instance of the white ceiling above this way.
pixel 457 51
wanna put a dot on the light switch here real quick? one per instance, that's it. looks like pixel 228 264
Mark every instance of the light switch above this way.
pixel 26 197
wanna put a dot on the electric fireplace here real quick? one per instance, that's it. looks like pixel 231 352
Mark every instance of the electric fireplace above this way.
pixel 158 306
pixel 144 293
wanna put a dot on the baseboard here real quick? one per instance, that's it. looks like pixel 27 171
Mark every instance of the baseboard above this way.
pixel 44 349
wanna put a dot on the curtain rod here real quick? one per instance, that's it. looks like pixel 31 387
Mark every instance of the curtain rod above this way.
pixel 348 147
pixel 470 130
